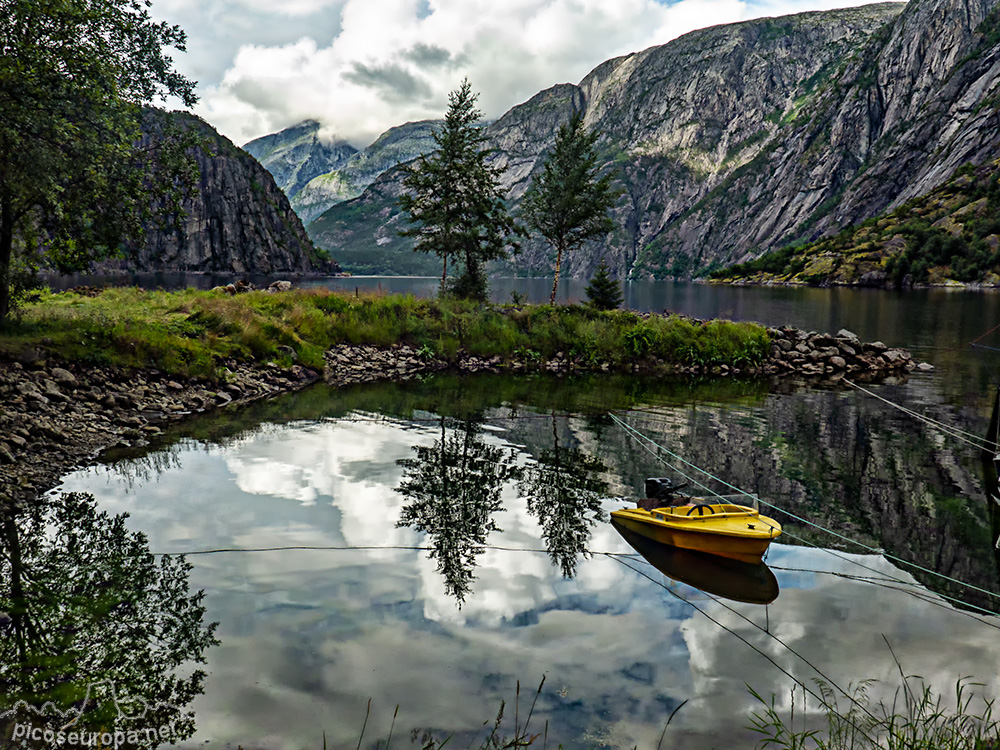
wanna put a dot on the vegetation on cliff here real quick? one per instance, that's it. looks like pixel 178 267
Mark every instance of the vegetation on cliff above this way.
pixel 950 235
pixel 193 332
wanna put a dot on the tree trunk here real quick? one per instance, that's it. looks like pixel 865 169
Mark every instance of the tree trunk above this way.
pixel 18 611
pixel 6 247
pixel 444 273
pixel 555 284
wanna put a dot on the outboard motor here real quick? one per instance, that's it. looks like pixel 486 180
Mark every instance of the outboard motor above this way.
pixel 659 488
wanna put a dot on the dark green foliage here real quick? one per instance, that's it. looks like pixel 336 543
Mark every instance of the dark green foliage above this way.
pixel 74 175
pixel 603 292
pixel 92 611
pixel 778 262
pixel 455 201
pixel 928 246
pixel 567 204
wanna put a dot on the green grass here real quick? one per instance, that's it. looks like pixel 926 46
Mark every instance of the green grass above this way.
pixel 192 333
pixel 917 718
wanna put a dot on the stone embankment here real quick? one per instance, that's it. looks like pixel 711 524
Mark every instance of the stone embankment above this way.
pixel 793 352
pixel 832 356
pixel 56 417
pixel 348 365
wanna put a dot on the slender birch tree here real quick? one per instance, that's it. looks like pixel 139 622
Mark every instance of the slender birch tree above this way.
pixel 567 203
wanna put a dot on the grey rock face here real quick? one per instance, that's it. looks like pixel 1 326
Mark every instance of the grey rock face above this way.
pixel 395 146
pixel 734 140
pixel 297 154
pixel 237 222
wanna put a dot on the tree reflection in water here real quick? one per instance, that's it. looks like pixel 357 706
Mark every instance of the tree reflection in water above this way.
pixel 95 623
pixel 564 490
pixel 453 490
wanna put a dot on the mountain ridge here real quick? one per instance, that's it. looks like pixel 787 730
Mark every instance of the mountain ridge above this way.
pixel 736 139
pixel 296 155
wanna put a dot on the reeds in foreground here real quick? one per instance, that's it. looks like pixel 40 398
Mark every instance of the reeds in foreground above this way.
pixel 915 719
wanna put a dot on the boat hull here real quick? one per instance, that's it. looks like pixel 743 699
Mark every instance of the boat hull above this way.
pixel 736 580
pixel 743 536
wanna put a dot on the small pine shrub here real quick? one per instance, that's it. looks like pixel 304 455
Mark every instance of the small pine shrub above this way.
pixel 603 292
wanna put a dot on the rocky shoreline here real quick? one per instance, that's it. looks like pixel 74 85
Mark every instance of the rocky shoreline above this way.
pixel 59 417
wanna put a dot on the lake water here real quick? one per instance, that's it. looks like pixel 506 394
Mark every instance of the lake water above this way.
pixel 429 545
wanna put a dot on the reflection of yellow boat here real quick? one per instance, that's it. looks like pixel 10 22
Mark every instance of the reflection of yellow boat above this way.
pixel 731 579
pixel 721 528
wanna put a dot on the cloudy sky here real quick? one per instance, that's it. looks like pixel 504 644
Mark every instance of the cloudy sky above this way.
pixel 362 66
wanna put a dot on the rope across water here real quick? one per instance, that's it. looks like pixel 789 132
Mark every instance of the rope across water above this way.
pixel 868 548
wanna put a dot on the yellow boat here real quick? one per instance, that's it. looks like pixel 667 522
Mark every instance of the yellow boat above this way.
pixel 751 583
pixel 722 527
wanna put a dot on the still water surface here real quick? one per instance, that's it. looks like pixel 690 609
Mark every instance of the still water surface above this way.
pixel 473 549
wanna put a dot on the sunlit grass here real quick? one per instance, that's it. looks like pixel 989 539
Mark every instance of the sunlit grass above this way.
pixel 192 332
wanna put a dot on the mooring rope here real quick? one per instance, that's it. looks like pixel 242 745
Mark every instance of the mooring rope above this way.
pixel 769 658
pixel 808 543
pixel 872 550
pixel 966 437
pixel 980 338
pixel 879 579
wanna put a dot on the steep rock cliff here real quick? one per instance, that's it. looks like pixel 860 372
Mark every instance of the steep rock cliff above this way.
pixel 237 221
pixel 736 139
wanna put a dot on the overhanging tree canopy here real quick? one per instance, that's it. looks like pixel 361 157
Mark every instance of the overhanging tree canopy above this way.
pixel 74 75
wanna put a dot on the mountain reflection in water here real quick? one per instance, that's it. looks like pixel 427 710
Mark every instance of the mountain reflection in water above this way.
pixel 365 488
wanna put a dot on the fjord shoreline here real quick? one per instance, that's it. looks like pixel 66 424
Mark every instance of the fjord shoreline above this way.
pixel 64 404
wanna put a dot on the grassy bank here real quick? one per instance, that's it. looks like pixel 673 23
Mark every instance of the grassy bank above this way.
pixel 191 332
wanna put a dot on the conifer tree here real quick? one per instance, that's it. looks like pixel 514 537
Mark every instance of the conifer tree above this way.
pixel 455 202
pixel 567 204
pixel 603 292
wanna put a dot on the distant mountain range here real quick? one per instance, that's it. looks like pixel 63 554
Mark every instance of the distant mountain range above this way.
pixel 316 175
pixel 297 154
pixel 729 141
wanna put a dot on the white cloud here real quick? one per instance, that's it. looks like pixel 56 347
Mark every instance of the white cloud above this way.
pixel 362 66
